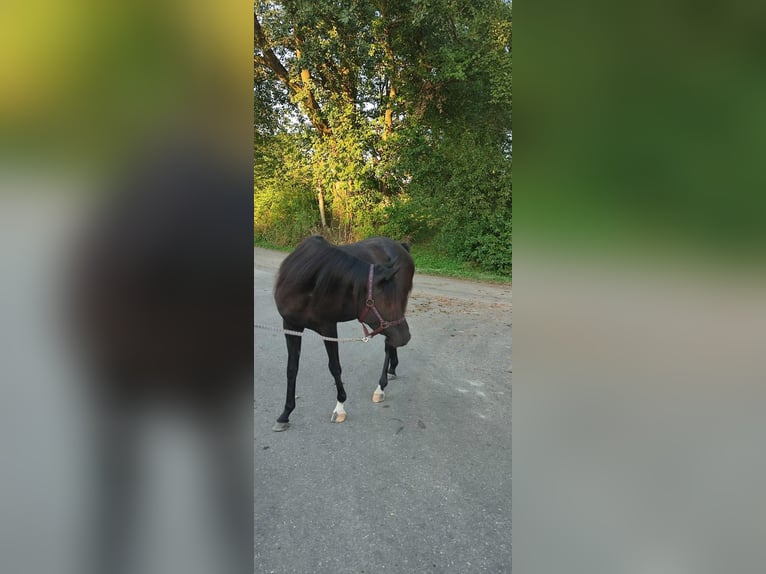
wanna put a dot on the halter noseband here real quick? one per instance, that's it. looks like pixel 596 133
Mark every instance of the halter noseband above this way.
pixel 370 305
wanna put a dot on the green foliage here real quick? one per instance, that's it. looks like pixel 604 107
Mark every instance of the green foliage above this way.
pixel 461 196
pixel 284 202
pixel 431 258
pixel 399 113
pixel 486 241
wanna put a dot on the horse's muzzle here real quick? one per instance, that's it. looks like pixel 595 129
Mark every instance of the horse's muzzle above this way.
pixel 398 336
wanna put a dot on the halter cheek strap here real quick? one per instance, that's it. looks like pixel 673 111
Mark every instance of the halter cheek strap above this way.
pixel 369 305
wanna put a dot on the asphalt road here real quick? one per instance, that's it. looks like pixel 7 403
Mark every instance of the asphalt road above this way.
pixel 418 483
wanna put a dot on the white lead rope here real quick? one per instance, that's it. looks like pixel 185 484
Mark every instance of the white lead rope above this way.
pixel 300 334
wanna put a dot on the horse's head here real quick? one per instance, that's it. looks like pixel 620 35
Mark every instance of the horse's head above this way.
pixel 386 300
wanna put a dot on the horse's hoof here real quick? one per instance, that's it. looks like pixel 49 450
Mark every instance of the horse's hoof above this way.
pixel 279 427
pixel 392 374
pixel 338 413
pixel 378 397
pixel 338 417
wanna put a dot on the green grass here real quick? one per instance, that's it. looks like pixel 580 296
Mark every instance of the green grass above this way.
pixel 268 245
pixel 430 261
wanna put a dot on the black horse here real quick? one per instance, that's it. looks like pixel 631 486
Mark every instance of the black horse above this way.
pixel 320 285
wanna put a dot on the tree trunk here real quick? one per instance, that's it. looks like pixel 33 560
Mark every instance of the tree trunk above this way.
pixel 389 117
pixel 320 194
pixel 388 121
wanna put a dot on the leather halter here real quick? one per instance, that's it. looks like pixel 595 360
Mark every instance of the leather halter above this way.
pixel 369 305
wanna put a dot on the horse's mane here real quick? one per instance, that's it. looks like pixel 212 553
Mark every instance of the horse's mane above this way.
pixel 322 268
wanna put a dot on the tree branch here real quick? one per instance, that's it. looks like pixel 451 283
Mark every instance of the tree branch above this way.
pixel 269 58
pixel 304 93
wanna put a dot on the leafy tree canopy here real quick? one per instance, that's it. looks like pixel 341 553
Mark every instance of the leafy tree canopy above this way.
pixel 385 116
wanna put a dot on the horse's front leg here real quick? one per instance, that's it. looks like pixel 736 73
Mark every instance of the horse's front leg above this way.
pixel 379 395
pixel 293 358
pixel 339 413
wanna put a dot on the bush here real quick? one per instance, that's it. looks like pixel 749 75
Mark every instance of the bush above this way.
pixel 486 241
pixel 284 203
pixel 460 197
pixel 286 216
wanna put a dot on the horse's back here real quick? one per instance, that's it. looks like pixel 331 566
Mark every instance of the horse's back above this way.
pixel 380 250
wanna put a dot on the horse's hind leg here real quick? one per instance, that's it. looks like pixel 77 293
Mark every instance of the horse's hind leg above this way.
pixel 379 395
pixel 293 358
pixel 394 360
pixel 339 413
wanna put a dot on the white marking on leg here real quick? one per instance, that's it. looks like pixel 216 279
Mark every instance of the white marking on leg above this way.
pixel 378 395
pixel 339 413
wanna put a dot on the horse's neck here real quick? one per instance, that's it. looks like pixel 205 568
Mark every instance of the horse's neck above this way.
pixel 353 281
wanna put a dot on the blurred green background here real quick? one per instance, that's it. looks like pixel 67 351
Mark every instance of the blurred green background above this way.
pixel 642 129
pixel 84 82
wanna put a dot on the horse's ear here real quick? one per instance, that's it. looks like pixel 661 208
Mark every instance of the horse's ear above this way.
pixel 406 246
pixel 386 272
